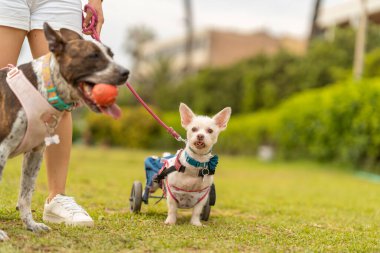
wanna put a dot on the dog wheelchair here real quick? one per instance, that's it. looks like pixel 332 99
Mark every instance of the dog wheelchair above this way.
pixel 153 165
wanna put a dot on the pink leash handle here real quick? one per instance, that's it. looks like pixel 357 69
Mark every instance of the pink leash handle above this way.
pixel 92 25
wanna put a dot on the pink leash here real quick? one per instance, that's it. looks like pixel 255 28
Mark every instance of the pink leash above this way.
pixel 95 35
pixel 170 130
pixel 92 25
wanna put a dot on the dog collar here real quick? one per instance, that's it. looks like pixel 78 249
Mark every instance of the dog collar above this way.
pixel 211 164
pixel 192 150
pixel 52 93
pixel 177 166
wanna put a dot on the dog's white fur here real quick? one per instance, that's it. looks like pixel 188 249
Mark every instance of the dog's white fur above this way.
pixel 189 180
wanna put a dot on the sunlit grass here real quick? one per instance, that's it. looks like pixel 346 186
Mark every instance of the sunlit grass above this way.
pixel 260 207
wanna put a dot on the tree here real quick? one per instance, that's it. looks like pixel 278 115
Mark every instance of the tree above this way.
pixel 189 34
pixel 360 41
pixel 315 30
pixel 137 36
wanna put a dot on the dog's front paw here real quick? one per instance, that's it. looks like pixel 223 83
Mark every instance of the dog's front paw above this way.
pixel 170 221
pixel 37 227
pixel 3 236
pixel 196 223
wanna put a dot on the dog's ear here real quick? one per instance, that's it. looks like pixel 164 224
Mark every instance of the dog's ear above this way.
pixel 70 35
pixel 221 119
pixel 55 40
pixel 187 115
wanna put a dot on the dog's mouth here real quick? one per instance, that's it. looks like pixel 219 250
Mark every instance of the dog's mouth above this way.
pixel 85 90
pixel 199 144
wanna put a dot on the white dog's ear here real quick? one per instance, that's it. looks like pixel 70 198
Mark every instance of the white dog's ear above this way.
pixel 187 115
pixel 221 119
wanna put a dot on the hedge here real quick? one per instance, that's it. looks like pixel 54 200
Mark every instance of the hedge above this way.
pixel 135 129
pixel 337 123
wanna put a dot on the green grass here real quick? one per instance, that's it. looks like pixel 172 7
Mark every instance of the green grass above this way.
pixel 261 207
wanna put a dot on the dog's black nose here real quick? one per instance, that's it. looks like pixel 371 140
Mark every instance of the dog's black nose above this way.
pixel 200 137
pixel 124 73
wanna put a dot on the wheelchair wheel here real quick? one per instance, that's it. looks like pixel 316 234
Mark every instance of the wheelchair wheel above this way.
pixel 206 211
pixel 212 195
pixel 136 197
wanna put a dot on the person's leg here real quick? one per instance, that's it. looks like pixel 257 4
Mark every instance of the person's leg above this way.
pixel 10 45
pixel 58 207
pixel 57 157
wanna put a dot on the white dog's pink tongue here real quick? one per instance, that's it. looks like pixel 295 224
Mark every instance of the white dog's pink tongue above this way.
pixel 112 110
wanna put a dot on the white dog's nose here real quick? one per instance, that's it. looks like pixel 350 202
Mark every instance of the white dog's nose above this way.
pixel 200 137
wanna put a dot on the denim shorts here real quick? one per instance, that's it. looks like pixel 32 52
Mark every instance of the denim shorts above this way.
pixel 31 14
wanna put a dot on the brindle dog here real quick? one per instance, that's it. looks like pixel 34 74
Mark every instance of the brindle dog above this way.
pixel 75 66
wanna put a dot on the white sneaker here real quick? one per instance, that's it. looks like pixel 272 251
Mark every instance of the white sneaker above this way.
pixel 64 209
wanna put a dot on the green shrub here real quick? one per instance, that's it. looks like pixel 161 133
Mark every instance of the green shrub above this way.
pixel 337 123
pixel 135 129
pixel 372 64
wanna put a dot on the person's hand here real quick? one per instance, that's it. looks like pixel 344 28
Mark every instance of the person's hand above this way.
pixel 97 5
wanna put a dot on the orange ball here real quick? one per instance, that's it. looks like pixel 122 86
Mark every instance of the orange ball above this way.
pixel 104 94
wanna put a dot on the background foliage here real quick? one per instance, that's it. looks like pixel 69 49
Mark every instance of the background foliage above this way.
pixel 281 101
pixel 338 123
pixel 261 82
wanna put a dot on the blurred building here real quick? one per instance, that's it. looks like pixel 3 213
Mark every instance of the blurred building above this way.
pixel 347 14
pixel 215 48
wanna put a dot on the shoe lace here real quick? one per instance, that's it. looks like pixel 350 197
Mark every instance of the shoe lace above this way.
pixel 70 205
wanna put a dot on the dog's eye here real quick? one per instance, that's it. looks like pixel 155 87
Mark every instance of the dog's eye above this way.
pixel 94 55
pixel 109 52
pixel 194 129
pixel 210 131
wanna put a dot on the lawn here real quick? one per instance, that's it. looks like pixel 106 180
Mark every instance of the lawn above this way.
pixel 261 207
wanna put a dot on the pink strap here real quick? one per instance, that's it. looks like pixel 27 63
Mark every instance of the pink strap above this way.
pixel 170 192
pixel 204 196
pixel 167 186
pixel 170 130
pixel 37 109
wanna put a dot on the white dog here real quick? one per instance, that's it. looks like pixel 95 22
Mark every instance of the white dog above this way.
pixel 188 176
